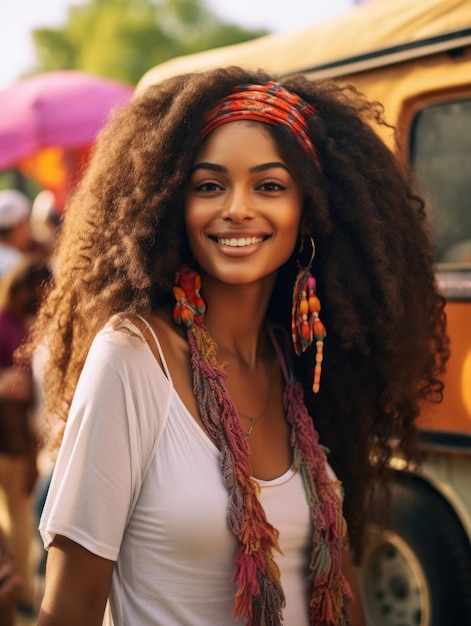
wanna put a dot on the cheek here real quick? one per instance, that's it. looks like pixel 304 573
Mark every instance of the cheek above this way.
pixel 290 222
pixel 289 230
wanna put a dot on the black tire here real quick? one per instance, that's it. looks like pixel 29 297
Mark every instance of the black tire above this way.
pixel 418 571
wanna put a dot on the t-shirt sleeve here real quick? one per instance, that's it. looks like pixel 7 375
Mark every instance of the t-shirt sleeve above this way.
pixel 116 418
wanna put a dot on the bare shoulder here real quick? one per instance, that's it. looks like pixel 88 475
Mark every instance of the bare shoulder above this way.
pixel 175 349
pixel 171 339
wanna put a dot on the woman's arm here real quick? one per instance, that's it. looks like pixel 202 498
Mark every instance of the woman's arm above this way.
pixel 77 586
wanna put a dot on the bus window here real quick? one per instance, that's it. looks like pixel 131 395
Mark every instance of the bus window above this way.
pixel 441 156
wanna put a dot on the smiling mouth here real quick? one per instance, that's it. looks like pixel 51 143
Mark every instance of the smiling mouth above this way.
pixel 239 242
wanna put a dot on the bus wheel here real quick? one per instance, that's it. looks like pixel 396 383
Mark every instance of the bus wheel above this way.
pixel 417 572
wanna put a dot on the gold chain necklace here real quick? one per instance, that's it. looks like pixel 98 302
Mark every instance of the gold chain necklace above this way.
pixel 254 420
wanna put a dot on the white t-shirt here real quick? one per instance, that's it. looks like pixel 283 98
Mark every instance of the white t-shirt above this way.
pixel 137 481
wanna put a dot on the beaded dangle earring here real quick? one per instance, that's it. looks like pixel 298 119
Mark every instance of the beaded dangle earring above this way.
pixel 306 327
pixel 190 306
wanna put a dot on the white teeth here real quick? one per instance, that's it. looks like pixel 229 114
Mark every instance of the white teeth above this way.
pixel 240 242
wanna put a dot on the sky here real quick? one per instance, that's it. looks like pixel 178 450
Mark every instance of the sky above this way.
pixel 19 17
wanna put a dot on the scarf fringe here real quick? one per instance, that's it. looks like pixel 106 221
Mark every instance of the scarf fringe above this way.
pixel 259 596
pixel 331 593
pixel 256 574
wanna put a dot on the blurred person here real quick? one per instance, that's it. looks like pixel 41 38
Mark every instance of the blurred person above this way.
pixel 15 230
pixel 45 221
pixel 20 292
pixel 10 584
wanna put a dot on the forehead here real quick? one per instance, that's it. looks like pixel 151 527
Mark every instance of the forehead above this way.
pixel 242 138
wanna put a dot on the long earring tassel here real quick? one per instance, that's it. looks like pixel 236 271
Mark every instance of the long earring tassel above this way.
pixel 306 325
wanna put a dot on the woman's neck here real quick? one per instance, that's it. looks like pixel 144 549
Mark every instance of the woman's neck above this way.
pixel 236 320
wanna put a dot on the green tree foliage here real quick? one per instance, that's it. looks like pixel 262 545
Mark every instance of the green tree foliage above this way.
pixel 122 39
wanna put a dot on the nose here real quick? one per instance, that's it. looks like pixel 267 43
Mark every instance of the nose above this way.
pixel 238 206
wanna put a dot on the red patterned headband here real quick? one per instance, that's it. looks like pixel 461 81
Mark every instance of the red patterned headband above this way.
pixel 271 104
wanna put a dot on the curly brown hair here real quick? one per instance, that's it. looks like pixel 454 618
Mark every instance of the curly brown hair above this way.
pixel 124 237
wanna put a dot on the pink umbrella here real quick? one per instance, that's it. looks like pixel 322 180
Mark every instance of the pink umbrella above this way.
pixel 48 123
pixel 63 108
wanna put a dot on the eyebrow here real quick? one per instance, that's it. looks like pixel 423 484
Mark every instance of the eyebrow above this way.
pixel 214 167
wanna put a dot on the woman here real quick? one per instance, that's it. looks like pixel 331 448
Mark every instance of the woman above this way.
pixel 190 485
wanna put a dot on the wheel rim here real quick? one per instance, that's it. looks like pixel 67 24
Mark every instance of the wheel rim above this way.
pixel 393 584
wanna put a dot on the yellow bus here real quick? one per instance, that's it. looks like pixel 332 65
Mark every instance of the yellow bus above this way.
pixel 414 56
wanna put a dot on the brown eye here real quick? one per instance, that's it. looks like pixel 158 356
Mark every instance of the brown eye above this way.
pixel 271 185
pixel 207 187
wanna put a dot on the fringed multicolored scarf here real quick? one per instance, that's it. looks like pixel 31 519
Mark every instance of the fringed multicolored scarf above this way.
pixel 271 104
pixel 259 596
